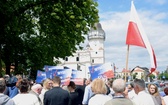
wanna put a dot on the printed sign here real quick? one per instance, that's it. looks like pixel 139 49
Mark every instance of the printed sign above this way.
pixel 41 75
pixel 101 71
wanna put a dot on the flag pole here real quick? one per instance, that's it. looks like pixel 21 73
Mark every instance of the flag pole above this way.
pixel 126 61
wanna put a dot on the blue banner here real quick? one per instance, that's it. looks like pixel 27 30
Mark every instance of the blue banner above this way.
pixel 48 70
pixel 41 75
pixel 103 71
pixel 77 77
pixel 64 74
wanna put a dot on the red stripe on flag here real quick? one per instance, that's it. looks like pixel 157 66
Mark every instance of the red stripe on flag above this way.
pixel 154 57
pixel 134 36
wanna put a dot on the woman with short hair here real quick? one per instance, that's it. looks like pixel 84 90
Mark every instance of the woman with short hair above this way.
pixel 24 98
pixel 47 85
pixel 99 89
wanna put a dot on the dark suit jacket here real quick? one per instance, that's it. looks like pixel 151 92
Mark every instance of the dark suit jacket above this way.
pixel 57 96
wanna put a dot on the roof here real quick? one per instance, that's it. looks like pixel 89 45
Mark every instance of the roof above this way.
pixel 126 71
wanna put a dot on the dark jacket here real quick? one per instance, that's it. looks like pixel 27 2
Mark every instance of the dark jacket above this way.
pixel 80 90
pixel 57 96
pixel 74 98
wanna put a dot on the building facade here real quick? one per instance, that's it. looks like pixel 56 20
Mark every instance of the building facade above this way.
pixel 92 54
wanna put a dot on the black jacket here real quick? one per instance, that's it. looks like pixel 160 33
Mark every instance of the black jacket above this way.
pixel 57 96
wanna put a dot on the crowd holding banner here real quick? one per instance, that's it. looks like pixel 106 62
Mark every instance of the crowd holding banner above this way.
pixel 103 71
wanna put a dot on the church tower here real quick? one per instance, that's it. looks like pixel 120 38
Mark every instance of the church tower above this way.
pixel 96 40
pixel 92 54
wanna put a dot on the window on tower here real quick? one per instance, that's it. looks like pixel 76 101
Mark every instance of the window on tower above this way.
pixel 92 60
pixel 66 58
pixel 78 67
pixel 77 58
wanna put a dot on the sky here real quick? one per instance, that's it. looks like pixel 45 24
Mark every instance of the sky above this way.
pixel 114 17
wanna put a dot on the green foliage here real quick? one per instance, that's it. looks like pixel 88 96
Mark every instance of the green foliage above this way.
pixel 165 74
pixel 152 76
pixel 134 75
pixel 33 32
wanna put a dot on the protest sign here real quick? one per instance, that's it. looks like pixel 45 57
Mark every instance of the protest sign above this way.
pixel 103 71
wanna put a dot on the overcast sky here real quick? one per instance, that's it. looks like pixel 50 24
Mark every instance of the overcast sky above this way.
pixel 114 18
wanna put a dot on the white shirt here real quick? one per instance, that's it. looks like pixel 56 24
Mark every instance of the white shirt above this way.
pixel 41 96
pixel 25 99
pixel 165 98
pixel 143 98
pixel 111 93
pixel 99 99
pixel 132 95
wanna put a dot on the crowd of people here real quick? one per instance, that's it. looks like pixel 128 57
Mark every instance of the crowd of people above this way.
pixel 16 90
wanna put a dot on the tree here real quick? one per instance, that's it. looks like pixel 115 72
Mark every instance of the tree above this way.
pixel 35 31
pixel 163 75
pixel 166 71
pixel 134 75
pixel 151 76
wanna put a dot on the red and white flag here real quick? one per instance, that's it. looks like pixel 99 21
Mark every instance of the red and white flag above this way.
pixel 137 36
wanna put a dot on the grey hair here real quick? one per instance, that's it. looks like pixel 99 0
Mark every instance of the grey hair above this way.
pixel 119 86
pixel 36 87
pixel 140 83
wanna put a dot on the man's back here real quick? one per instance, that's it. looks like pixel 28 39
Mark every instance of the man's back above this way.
pixel 5 100
pixel 144 98
pixel 57 96
pixel 119 101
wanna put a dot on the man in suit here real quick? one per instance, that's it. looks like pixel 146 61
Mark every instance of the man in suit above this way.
pixel 57 96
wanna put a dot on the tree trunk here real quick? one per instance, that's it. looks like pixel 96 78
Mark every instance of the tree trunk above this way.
pixel 8 64
pixel 7 60
pixel 16 67
pixel 0 62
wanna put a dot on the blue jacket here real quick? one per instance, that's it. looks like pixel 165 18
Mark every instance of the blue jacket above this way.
pixel 13 91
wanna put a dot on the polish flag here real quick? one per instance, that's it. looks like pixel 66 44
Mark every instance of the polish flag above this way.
pixel 137 36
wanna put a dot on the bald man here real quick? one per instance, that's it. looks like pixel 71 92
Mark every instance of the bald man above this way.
pixel 36 90
pixel 119 98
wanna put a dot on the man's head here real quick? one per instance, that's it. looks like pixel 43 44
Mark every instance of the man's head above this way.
pixel 2 85
pixel 166 90
pixel 88 81
pixel 119 86
pixel 56 81
pixel 71 86
pixel 139 85
pixel 7 78
pixel 36 88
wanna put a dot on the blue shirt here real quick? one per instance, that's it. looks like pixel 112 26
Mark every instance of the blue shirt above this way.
pixel 13 91
pixel 88 93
